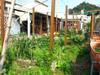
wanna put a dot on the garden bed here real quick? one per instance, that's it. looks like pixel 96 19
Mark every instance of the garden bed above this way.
pixel 32 56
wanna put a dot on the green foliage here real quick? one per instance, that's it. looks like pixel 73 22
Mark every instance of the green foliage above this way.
pixel 42 41
pixel 74 37
pixel 88 26
pixel 97 49
pixel 21 46
pixel 36 49
pixel 65 57
pixel 31 70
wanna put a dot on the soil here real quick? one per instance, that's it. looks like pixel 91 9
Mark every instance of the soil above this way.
pixel 80 66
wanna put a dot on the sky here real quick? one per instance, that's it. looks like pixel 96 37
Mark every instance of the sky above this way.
pixel 60 4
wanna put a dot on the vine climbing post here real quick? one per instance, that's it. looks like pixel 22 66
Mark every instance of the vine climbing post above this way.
pixel 52 28
pixel 65 27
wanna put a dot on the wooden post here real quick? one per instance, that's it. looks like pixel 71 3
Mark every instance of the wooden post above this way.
pixel 2 20
pixel 65 28
pixel 33 20
pixel 52 28
pixel 92 25
pixel 41 25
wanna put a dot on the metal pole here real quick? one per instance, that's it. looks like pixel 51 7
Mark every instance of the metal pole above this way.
pixel 33 20
pixel 52 28
pixel 65 28
pixel 2 20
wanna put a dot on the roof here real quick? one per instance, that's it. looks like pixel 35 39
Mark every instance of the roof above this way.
pixel 39 7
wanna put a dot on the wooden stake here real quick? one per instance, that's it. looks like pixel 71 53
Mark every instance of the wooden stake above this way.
pixel 52 28
pixel 92 25
pixel 65 28
pixel 2 20
pixel 33 20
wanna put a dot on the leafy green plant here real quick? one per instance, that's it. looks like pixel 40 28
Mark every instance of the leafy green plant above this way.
pixel 43 41
pixel 36 50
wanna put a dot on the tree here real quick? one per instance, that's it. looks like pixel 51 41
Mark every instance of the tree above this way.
pixel 85 6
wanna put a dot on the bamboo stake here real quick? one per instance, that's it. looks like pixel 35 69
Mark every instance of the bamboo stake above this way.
pixel 3 54
pixel 52 28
